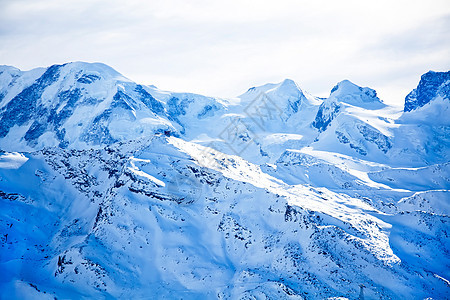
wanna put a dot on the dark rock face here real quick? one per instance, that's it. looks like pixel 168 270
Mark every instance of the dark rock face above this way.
pixel 374 136
pixel 99 132
pixel 207 111
pixel 325 115
pixel 149 100
pixel 344 139
pixel 23 107
pixel 122 100
pixel 431 85
pixel 88 78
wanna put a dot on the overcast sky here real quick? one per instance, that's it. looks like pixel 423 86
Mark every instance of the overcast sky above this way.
pixel 221 48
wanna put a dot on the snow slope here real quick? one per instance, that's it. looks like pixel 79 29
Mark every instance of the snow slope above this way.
pixel 171 227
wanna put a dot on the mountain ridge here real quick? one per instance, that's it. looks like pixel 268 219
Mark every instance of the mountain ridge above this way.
pixel 109 188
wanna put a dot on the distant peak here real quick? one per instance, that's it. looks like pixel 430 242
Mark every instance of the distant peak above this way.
pixel 288 82
pixel 346 86
pixel 4 68
pixel 287 86
pixel 350 93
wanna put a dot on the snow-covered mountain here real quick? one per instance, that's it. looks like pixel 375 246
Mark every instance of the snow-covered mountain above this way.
pixel 112 189
pixel 352 119
pixel 75 104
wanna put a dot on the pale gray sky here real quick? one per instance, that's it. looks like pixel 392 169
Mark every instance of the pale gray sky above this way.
pixel 221 48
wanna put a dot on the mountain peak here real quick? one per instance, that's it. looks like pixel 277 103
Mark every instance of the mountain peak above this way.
pixel 288 83
pixel 432 84
pixel 345 86
pixel 350 93
pixel 96 68
pixel 4 68
pixel 285 87
pixel 75 104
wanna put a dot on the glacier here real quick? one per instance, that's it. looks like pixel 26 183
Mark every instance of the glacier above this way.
pixel 114 189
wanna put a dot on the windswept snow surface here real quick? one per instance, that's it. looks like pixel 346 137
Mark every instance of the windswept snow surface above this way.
pixel 111 189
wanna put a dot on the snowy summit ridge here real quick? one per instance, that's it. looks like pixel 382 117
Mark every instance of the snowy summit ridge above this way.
pixel 348 92
pixel 113 189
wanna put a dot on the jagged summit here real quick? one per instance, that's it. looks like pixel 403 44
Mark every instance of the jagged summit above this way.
pixel 432 85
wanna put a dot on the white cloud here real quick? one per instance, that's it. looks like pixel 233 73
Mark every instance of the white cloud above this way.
pixel 223 47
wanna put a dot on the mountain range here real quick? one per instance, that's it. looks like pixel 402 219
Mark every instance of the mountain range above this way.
pixel 113 189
